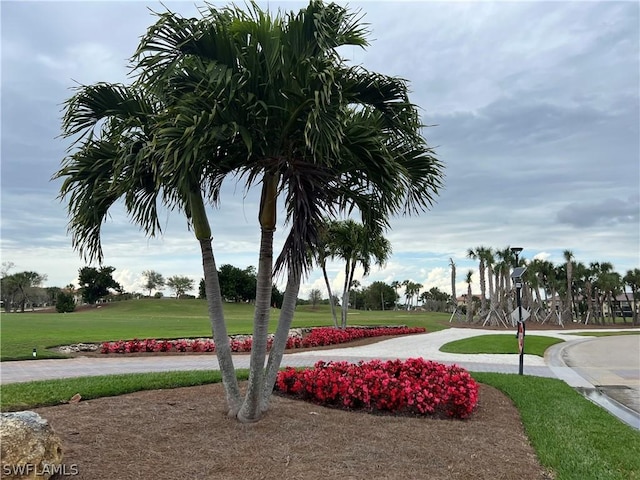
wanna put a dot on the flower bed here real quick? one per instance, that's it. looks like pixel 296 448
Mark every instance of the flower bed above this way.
pixel 316 337
pixel 414 386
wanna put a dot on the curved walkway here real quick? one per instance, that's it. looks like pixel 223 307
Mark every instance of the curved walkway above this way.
pixel 558 363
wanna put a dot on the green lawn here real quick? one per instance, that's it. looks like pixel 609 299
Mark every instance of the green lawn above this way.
pixel 571 436
pixel 501 343
pixel 153 318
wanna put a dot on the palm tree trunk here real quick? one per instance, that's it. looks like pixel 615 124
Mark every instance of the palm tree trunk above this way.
pixel 282 334
pixel 251 407
pixel 202 232
pixel 345 294
pixel 219 328
pixel 250 410
pixel 331 302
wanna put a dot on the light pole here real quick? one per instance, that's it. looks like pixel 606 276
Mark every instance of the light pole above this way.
pixel 517 274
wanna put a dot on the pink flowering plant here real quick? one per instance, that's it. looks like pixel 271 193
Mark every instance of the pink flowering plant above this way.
pixel 317 337
pixel 415 386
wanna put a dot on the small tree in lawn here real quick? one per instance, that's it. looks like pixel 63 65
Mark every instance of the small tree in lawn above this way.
pixel 154 280
pixel 95 283
pixel 65 303
pixel 180 285
pixel 315 297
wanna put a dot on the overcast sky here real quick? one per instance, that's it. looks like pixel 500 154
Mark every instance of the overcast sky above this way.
pixel 534 110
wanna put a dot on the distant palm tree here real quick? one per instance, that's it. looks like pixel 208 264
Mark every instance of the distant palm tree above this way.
pixel 568 258
pixel 632 279
pixel 356 245
pixel 481 254
pixel 396 286
pixel 454 298
pixel 469 297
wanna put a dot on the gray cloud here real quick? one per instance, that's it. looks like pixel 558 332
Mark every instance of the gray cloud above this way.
pixel 609 212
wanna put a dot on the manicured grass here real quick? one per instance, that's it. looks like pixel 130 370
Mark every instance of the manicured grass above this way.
pixel 501 343
pixel 607 334
pixel 21 396
pixel 154 318
pixel 572 436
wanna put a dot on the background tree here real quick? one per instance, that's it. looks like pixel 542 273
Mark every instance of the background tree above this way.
pixel 315 297
pixel 237 284
pixel 632 280
pixel 95 283
pixel 153 280
pixel 358 246
pixel 379 295
pixel 411 292
pixel 65 302
pixel 435 300
pixel 469 301
pixel 454 297
pixel 179 284
pixel 19 288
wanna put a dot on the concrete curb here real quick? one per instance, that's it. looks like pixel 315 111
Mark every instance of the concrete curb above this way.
pixel 555 359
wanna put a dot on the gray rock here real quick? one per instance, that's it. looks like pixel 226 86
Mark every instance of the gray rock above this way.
pixel 30 449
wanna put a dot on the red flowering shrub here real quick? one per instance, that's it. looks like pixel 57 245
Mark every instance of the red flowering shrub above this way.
pixel 317 337
pixel 414 386
pixel 332 336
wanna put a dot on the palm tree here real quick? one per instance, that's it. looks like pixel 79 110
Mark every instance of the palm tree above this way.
pixel 396 285
pixel 356 245
pixel 469 297
pixel 632 279
pixel 297 120
pixel 269 100
pixel 568 258
pixel 115 162
pixel 481 254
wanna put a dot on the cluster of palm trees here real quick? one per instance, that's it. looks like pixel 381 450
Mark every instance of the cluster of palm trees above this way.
pixel 571 291
pixel 265 99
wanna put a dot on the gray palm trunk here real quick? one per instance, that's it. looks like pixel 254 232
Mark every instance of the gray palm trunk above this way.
pixel 282 334
pixel 349 272
pixel 251 407
pixel 469 304
pixel 483 288
pixel 219 328
pixel 330 293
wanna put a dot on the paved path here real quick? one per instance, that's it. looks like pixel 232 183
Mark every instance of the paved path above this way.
pixel 567 361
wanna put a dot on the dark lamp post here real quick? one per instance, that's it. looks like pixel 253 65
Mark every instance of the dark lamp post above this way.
pixel 516 276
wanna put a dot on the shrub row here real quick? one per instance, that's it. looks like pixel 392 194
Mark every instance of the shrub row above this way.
pixel 415 386
pixel 317 337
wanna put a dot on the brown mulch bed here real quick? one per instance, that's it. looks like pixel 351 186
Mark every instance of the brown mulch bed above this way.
pixel 184 433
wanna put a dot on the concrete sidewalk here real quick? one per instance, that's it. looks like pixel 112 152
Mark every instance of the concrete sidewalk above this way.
pixel 422 345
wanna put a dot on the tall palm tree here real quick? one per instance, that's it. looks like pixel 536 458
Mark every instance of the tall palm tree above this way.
pixel 454 298
pixel 568 258
pixel 481 254
pixel 396 285
pixel 469 296
pixel 269 100
pixel 632 279
pixel 115 163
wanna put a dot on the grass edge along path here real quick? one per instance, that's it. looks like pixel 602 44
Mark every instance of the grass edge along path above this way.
pixel 500 343
pixel 571 436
